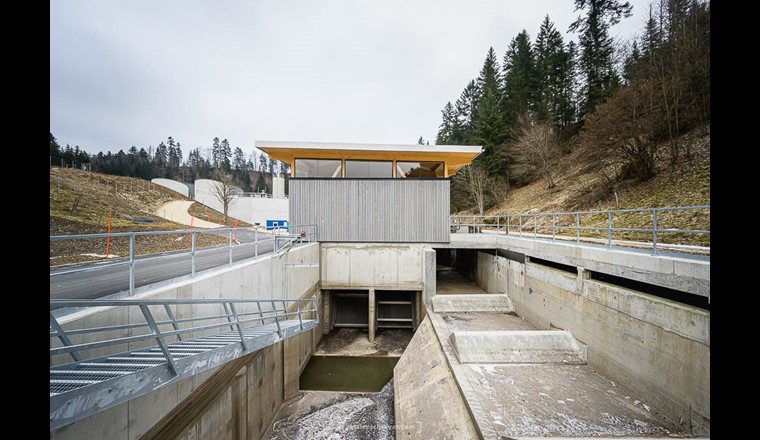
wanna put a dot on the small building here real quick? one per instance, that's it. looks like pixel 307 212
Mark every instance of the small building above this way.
pixel 381 193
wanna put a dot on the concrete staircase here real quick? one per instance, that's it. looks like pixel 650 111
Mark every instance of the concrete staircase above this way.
pixel 472 303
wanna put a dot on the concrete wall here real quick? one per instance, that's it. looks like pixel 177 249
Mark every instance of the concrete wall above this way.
pixel 660 349
pixel 247 209
pixel 363 265
pixel 373 210
pixel 266 278
pixel 173 185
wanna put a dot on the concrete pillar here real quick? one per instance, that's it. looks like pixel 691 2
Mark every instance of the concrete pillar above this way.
pixel 583 274
pixel 428 276
pixel 418 310
pixel 372 317
pixel 290 368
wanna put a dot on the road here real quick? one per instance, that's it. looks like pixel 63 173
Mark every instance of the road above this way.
pixel 96 280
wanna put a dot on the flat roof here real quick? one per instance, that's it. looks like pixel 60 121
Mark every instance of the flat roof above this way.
pixel 356 146
pixel 455 156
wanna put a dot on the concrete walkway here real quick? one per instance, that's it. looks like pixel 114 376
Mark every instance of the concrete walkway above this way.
pixel 176 211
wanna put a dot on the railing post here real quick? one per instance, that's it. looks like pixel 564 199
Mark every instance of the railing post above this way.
pixel 519 222
pixel 498 226
pixel 298 309
pixel 192 254
pixel 132 262
pixel 256 242
pixel 554 226
pixel 609 229
pixel 277 319
pixel 654 230
pixel 64 339
pixel 577 227
pixel 239 326
pixel 230 247
pixel 261 314
pixel 159 338
pixel 174 321
pixel 227 314
pixel 535 228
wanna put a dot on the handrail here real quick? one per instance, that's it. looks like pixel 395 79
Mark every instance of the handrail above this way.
pixel 527 225
pixel 304 309
pixel 304 233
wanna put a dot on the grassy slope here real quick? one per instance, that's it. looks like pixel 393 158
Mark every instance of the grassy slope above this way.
pixel 686 184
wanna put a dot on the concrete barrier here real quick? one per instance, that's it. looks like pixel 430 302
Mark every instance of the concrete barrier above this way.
pixel 517 347
pixel 472 303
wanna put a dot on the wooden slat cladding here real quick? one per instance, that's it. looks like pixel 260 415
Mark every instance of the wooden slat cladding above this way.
pixel 373 210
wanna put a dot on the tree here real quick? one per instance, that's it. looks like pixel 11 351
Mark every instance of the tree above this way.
pixel 225 156
pixel 55 151
pixel 463 125
pixel 489 130
pixel 553 66
pixel 597 50
pixel 217 159
pixel 535 150
pixel 476 182
pixel 446 129
pixel 222 190
pixel 520 79
pixel 620 133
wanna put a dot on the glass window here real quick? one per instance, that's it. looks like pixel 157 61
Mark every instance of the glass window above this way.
pixel 419 169
pixel 369 168
pixel 318 168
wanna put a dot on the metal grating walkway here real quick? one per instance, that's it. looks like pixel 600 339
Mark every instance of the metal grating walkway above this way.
pixel 86 387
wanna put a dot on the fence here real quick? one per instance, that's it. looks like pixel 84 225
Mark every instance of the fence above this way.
pixel 242 239
pixel 650 228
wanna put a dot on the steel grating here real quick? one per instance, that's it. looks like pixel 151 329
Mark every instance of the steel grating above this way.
pixel 80 389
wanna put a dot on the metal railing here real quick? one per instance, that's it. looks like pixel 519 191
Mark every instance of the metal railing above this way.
pixel 295 234
pixel 236 317
pixel 651 230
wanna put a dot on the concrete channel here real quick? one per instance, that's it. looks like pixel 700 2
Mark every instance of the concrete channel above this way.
pixel 492 340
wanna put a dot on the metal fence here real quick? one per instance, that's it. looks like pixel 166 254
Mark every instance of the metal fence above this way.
pixel 236 317
pixel 644 228
pixel 282 239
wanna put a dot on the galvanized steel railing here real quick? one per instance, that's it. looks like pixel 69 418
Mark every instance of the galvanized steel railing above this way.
pixel 293 234
pixel 170 329
pixel 584 226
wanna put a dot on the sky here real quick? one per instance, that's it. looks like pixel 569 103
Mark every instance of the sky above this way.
pixel 135 72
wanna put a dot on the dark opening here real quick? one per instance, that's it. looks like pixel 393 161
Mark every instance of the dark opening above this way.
pixel 659 291
pixel 555 265
pixel 350 308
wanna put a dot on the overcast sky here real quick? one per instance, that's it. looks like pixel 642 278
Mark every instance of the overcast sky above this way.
pixel 133 72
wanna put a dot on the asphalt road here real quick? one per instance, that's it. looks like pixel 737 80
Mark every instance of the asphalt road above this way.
pixel 96 280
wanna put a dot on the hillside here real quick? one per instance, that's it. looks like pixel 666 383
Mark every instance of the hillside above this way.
pixel 685 184
pixel 81 202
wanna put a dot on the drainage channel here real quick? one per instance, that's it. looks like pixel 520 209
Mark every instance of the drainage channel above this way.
pixel 346 388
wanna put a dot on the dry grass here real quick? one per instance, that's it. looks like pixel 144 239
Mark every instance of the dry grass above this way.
pixel 579 188
pixel 81 202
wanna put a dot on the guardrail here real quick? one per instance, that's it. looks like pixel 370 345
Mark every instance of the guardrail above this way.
pixel 251 237
pixel 171 329
pixel 652 229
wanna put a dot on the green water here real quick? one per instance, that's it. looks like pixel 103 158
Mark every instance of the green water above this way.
pixel 347 373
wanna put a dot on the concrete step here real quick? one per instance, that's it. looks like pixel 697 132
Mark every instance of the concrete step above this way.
pixel 517 347
pixel 472 303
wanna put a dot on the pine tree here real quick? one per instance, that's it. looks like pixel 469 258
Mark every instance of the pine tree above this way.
pixel 226 156
pixel 489 132
pixel 550 65
pixel 464 111
pixel 216 154
pixel 446 129
pixel 596 58
pixel 520 79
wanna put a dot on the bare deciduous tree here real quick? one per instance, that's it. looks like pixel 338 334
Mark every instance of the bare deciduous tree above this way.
pixel 477 183
pixel 536 150
pixel 223 190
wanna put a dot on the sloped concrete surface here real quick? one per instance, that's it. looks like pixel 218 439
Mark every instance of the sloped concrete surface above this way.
pixel 511 401
pixel 521 346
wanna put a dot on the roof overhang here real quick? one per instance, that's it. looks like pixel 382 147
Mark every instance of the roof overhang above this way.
pixel 455 156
